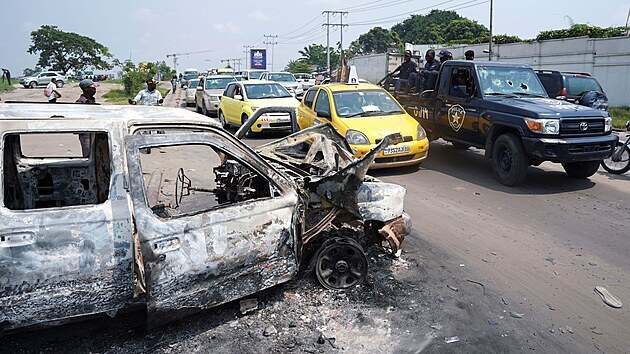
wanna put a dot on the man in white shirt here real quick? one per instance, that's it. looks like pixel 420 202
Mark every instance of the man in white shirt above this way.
pixel 149 96
pixel 51 91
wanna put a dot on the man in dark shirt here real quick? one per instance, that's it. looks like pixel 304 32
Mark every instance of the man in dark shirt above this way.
pixel 431 65
pixel 470 55
pixel 89 90
pixel 404 70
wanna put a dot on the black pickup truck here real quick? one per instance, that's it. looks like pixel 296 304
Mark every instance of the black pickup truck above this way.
pixel 504 109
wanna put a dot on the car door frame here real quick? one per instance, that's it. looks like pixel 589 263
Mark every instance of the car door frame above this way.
pixel 318 120
pixel 183 255
pixel 306 114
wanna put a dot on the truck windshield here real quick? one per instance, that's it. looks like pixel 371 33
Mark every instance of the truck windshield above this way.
pixel 365 103
pixel 499 81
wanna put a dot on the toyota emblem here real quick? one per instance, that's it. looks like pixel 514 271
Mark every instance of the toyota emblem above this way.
pixel 583 126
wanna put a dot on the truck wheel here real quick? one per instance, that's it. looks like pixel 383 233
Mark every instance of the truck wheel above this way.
pixel 581 169
pixel 460 146
pixel 33 84
pixel 509 161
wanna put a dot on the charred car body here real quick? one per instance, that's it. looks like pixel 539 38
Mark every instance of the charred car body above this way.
pixel 199 221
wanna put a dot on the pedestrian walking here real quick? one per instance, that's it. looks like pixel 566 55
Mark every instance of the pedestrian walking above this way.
pixel 51 91
pixel 87 97
pixel 174 83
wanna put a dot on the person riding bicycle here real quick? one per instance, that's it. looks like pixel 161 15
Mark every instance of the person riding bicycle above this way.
pixel 149 96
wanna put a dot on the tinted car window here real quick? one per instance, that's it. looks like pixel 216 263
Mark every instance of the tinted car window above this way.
pixel 309 98
pixel 579 85
pixel 218 83
pixel 322 104
pixel 229 91
pixel 271 90
pixel 551 83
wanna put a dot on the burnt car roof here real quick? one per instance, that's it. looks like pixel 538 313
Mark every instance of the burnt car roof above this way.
pixel 128 114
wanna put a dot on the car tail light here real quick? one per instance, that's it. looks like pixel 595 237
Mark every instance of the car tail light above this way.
pixel 563 92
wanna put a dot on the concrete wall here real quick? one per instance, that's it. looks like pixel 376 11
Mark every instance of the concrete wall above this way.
pixel 607 59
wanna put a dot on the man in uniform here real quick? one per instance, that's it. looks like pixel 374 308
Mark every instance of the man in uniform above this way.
pixel 150 96
pixel 405 70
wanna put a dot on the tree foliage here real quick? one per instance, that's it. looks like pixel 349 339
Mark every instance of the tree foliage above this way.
pixel 465 29
pixel 134 78
pixel 315 54
pixel 298 66
pixel 579 30
pixel 30 72
pixel 505 39
pixel 426 28
pixel 376 40
pixel 64 51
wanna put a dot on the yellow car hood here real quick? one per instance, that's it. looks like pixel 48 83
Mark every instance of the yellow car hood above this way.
pixel 380 126
pixel 275 102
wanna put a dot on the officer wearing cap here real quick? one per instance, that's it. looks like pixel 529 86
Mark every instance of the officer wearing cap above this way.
pixel 404 70
pixel 445 55
pixel 89 91
pixel 470 55
pixel 150 96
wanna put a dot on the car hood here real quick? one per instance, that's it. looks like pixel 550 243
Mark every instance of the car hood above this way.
pixel 276 102
pixel 379 127
pixel 535 107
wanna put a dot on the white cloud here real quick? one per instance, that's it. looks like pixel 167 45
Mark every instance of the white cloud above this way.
pixel 259 15
pixel 226 27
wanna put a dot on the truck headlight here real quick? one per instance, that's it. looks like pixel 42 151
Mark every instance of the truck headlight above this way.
pixel 607 124
pixel 421 134
pixel 543 126
pixel 354 137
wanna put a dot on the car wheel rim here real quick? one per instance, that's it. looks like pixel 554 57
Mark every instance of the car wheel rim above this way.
pixel 505 159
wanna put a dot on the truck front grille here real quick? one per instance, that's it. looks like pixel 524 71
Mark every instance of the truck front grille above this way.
pixel 581 126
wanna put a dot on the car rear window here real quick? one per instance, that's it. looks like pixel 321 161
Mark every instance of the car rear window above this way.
pixel 578 85
pixel 551 83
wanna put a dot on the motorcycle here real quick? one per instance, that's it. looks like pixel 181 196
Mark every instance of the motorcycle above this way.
pixel 619 162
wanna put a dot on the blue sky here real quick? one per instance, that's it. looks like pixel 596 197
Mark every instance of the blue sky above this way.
pixel 148 30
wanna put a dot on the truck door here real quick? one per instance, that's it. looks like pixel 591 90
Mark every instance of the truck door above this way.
pixel 458 106
pixel 66 246
pixel 215 222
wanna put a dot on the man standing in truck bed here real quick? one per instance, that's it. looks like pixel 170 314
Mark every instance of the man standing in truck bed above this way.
pixel 407 68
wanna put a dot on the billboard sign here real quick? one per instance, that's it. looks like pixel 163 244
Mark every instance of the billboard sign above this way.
pixel 258 59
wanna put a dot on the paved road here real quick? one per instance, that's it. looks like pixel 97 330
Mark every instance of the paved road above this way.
pixel 539 250
pixel 543 246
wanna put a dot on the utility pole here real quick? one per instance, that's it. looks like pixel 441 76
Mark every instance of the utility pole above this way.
pixel 270 40
pixel 328 24
pixel 490 42
pixel 234 61
pixel 246 51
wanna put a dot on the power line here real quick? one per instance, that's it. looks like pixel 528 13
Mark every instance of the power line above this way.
pixel 360 5
pixel 328 24
pixel 306 24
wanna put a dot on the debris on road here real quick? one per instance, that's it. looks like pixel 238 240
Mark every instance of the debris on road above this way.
pixel 270 330
pixel 248 305
pixel 608 298
pixel 516 314
pixel 493 322
pixel 452 288
pixel 436 326
pixel 478 283
pixel 452 339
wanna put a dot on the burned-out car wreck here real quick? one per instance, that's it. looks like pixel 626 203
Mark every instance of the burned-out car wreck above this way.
pixel 107 208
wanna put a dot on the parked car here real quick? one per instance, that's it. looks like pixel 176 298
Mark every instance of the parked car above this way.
pixel 307 80
pixel 365 114
pixel 42 79
pixel 579 88
pixel 209 91
pixel 107 227
pixel 285 79
pixel 240 100
pixel 191 91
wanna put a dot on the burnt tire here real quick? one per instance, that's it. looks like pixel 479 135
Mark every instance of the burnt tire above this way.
pixel 509 161
pixel 582 169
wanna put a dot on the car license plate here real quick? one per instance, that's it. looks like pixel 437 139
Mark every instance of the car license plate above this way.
pixel 396 150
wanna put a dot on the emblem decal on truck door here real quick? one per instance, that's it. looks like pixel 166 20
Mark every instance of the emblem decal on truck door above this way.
pixel 456 116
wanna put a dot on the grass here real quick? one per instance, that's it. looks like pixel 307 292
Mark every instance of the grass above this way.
pixel 120 97
pixel 4 86
pixel 620 116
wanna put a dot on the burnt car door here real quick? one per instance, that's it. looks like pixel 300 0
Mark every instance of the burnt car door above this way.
pixel 215 221
pixel 66 246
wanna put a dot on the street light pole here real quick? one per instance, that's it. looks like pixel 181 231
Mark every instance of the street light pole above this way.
pixel 490 42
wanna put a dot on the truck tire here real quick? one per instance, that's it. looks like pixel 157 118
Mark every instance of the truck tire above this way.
pixel 581 169
pixel 509 161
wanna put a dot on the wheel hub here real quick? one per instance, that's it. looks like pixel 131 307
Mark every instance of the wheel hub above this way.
pixel 342 267
pixel 341 264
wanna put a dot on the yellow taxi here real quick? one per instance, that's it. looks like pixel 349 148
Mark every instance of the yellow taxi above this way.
pixel 365 114
pixel 240 100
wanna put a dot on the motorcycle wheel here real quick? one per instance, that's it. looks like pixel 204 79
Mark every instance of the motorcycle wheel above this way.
pixel 622 165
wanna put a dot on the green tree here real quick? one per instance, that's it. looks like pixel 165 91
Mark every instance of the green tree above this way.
pixel 425 28
pixel 505 39
pixel 579 30
pixel 134 78
pixel 315 54
pixel 464 29
pixel 376 40
pixel 298 66
pixel 29 71
pixel 64 51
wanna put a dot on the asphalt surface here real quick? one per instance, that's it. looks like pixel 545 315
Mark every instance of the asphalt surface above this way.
pixel 503 269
